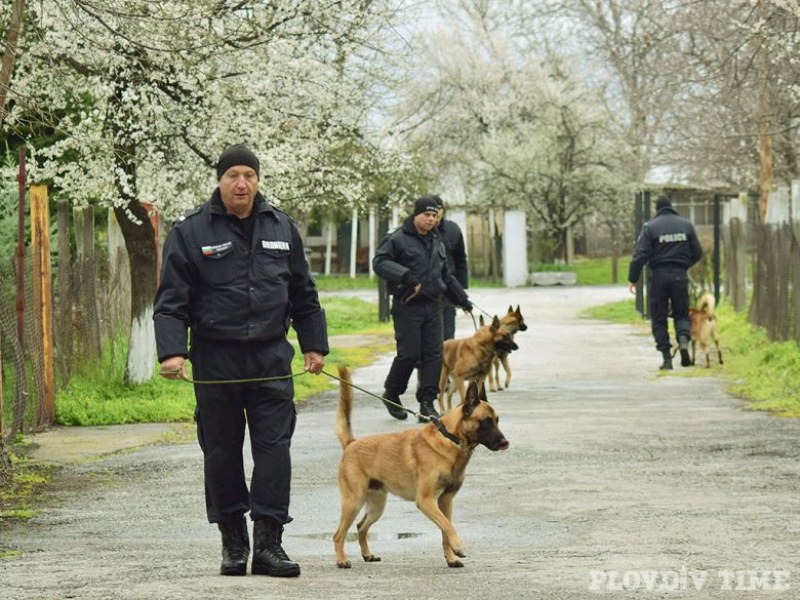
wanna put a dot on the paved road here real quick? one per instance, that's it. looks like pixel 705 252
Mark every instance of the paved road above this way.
pixel 619 483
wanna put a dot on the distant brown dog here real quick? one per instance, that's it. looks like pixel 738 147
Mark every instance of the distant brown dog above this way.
pixel 514 322
pixel 470 359
pixel 705 328
pixel 425 465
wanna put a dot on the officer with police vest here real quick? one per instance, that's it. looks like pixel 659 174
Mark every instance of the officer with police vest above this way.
pixel 413 261
pixel 668 245
pixel 234 273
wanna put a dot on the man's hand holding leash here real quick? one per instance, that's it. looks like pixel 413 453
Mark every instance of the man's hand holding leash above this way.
pixel 174 367
pixel 313 362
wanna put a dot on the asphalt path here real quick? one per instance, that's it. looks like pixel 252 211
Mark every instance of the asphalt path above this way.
pixel 620 482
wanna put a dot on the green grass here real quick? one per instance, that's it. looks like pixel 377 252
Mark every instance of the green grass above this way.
pixel 337 283
pixel 348 315
pixel 18 498
pixel 765 373
pixel 590 271
pixel 98 397
pixel 623 311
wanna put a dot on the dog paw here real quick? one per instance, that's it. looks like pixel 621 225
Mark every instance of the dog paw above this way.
pixel 454 564
pixel 372 558
pixel 460 552
pixel 343 564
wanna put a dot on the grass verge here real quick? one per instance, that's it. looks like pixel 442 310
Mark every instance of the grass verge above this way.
pixel 765 373
pixel 99 397
pixel 592 271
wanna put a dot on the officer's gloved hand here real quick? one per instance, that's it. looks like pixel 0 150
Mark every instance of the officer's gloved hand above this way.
pixel 411 287
pixel 466 305
pixel 409 280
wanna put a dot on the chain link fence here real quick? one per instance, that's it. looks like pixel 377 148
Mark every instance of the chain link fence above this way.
pixel 90 312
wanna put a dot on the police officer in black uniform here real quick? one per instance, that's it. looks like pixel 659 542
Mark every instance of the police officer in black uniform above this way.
pixel 456 251
pixel 413 261
pixel 669 246
pixel 234 273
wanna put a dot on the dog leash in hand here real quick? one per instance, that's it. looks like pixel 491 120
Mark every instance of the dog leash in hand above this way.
pixel 228 381
pixel 442 429
pixel 447 304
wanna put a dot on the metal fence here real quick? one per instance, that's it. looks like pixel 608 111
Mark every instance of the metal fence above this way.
pixel 90 307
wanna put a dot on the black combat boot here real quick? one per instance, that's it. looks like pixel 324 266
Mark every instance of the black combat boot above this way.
pixel 426 409
pixel 269 558
pixel 235 547
pixel 667 364
pixel 683 346
pixel 394 406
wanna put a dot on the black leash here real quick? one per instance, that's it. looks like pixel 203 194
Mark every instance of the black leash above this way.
pixel 448 304
pixel 442 429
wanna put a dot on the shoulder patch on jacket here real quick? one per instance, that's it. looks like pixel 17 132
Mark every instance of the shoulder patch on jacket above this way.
pixel 189 213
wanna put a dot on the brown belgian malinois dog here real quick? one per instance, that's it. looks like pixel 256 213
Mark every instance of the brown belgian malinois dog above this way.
pixel 514 322
pixel 705 328
pixel 425 465
pixel 470 359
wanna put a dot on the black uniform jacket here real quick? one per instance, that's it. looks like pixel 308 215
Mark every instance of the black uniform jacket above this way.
pixel 405 258
pixel 453 241
pixel 668 240
pixel 224 287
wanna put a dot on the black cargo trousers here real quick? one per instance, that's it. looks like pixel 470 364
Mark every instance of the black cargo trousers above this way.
pixel 418 334
pixel 224 410
pixel 669 290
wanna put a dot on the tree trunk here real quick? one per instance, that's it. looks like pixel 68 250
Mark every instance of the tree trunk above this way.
pixel 764 121
pixel 10 53
pixel 140 241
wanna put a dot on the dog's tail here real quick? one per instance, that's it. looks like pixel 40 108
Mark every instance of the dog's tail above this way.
pixel 344 430
pixel 707 304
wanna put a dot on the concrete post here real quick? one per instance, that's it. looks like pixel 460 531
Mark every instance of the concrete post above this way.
pixel 515 249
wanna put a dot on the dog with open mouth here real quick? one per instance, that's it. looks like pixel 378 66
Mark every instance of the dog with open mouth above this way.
pixel 425 465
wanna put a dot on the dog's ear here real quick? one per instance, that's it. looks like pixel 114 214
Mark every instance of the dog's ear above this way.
pixel 519 313
pixel 480 320
pixel 510 308
pixel 495 323
pixel 473 399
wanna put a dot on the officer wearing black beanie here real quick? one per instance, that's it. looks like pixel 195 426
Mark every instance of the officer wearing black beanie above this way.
pixel 234 273
pixel 235 155
pixel 668 245
pixel 413 261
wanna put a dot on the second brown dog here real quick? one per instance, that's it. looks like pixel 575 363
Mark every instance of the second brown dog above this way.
pixel 470 359
pixel 514 322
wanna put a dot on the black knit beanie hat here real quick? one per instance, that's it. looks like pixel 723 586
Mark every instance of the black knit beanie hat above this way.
pixel 662 202
pixel 236 155
pixel 424 205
